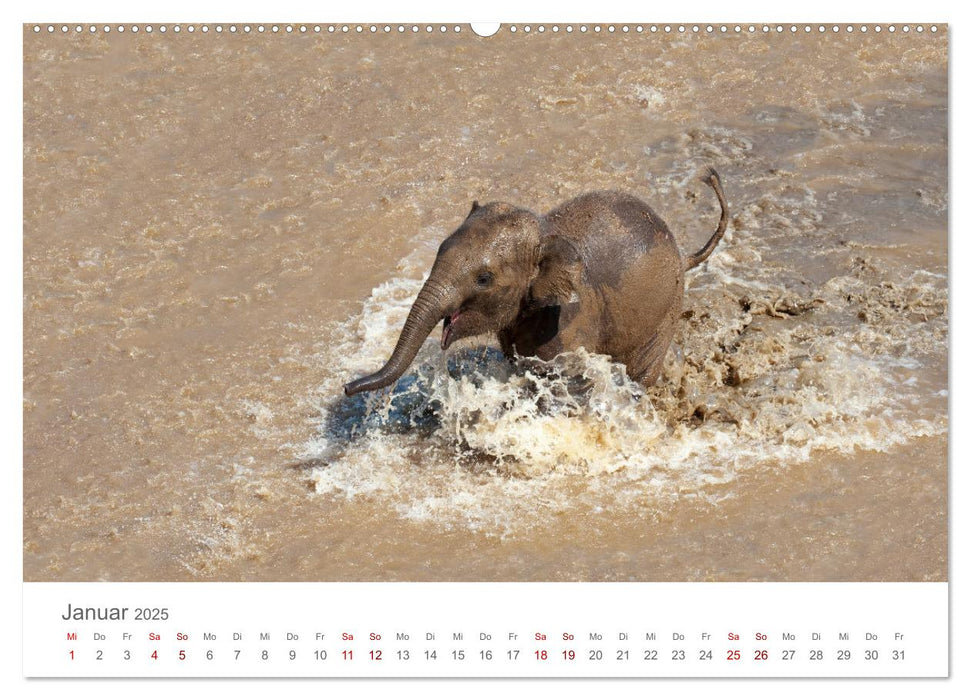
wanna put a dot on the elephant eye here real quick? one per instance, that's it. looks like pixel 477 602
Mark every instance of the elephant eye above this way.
pixel 484 278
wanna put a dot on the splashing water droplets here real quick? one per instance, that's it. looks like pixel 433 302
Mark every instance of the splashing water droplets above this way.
pixel 758 378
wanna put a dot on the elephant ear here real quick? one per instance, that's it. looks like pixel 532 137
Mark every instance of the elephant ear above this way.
pixel 558 273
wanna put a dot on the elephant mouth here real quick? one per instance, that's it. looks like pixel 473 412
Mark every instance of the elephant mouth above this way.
pixel 448 330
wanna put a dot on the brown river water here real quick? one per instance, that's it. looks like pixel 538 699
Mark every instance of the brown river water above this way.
pixel 221 229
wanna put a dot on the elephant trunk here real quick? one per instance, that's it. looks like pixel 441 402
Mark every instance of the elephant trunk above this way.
pixel 429 308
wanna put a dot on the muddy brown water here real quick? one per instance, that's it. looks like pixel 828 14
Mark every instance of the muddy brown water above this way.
pixel 220 230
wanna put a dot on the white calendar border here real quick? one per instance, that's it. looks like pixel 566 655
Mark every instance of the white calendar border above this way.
pixel 510 11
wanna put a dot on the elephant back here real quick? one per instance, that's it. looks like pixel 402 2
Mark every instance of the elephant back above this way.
pixel 614 231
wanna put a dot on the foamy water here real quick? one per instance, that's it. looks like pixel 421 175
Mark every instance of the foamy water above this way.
pixel 765 379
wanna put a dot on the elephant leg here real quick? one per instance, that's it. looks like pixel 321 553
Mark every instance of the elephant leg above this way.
pixel 644 364
pixel 534 334
pixel 506 343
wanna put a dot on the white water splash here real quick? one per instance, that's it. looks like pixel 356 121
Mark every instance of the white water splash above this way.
pixel 478 442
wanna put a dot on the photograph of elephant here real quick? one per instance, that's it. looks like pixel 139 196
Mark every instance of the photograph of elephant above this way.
pixel 542 306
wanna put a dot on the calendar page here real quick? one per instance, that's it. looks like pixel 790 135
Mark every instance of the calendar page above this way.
pixel 518 350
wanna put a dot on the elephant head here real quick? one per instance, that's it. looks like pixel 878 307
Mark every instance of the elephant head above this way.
pixel 499 261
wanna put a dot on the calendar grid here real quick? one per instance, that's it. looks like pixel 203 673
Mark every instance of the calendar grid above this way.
pixel 480 630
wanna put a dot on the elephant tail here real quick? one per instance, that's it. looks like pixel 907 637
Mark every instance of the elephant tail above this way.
pixel 711 178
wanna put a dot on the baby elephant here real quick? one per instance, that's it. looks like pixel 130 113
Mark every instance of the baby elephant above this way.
pixel 601 272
